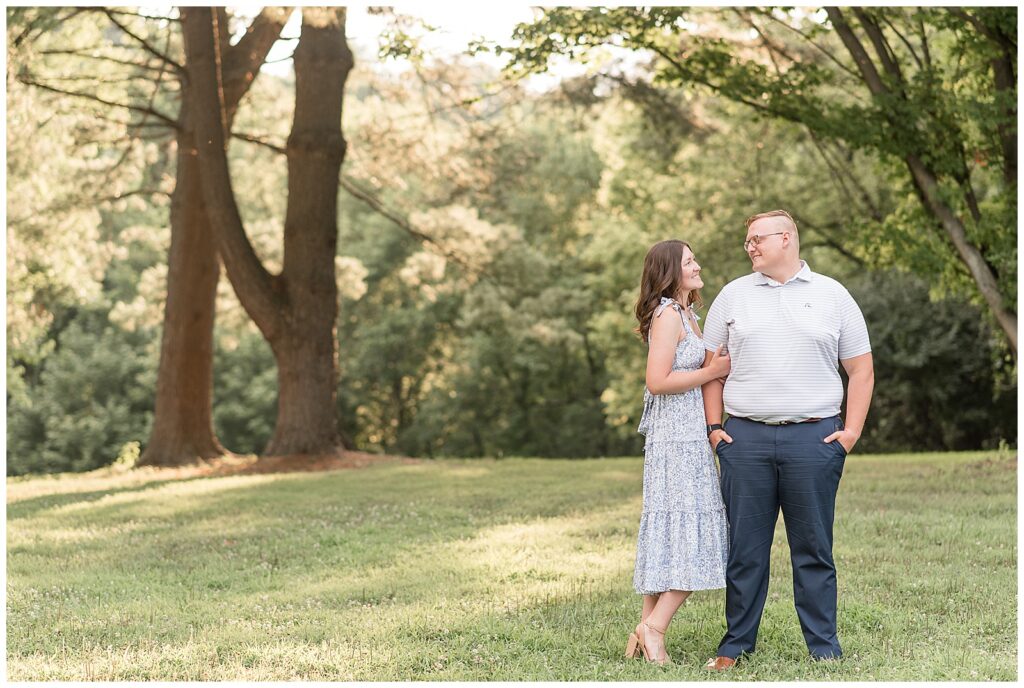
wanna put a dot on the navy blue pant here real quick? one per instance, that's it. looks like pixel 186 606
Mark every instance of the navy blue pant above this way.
pixel 767 467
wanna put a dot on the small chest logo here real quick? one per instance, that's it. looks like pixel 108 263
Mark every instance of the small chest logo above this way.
pixel 807 305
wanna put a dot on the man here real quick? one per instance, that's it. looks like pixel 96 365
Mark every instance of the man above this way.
pixel 784 444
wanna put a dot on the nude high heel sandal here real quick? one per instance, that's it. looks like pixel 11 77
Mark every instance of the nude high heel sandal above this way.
pixel 642 641
pixel 633 647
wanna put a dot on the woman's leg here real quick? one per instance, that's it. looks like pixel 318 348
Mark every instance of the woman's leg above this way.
pixel 667 604
pixel 659 618
pixel 648 606
pixel 649 602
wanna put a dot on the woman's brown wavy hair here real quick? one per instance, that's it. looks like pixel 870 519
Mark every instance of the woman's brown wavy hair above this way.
pixel 661 277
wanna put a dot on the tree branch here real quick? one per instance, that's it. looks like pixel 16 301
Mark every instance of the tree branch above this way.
pixel 242 61
pixel 996 37
pixel 823 232
pixel 811 41
pixel 91 201
pixel 256 287
pixel 251 138
pixel 869 74
pixel 771 50
pixel 931 195
pixel 923 33
pixel 688 75
pixel 837 171
pixel 41 19
pixel 903 38
pixel 143 42
pixel 882 49
pixel 137 15
pixel 27 80
pixel 156 86
pixel 378 206
pixel 83 52
pixel 98 80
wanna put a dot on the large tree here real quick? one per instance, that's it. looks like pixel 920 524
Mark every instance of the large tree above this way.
pixel 138 70
pixel 930 91
pixel 296 309
pixel 182 425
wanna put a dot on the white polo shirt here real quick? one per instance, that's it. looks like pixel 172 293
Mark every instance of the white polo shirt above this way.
pixel 785 341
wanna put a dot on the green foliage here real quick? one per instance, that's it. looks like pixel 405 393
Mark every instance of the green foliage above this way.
pixel 935 383
pixel 944 103
pixel 244 393
pixel 93 396
pixel 497 321
pixel 83 249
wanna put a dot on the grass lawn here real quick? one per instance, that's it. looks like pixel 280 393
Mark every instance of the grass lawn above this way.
pixel 515 569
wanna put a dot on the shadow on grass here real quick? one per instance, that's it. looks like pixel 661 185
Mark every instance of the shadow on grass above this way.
pixel 30 506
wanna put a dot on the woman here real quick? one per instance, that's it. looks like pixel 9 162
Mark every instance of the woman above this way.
pixel 683 540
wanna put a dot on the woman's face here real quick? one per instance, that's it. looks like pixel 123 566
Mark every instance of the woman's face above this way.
pixel 691 271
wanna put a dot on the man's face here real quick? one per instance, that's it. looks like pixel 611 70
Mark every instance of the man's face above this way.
pixel 765 243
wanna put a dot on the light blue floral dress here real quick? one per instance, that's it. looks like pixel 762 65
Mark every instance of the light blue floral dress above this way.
pixel 684 536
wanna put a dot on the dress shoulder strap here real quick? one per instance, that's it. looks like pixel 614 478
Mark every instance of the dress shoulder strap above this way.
pixel 665 303
pixel 678 308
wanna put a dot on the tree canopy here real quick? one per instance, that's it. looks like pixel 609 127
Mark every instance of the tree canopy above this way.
pixel 490 236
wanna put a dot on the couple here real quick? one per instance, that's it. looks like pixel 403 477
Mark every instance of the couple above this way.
pixel 771 349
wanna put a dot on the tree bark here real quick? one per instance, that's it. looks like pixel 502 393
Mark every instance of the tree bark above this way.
pixel 183 423
pixel 1006 82
pixel 977 266
pixel 295 310
pixel 182 430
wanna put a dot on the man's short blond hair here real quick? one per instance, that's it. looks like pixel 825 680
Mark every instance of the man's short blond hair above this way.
pixel 773 213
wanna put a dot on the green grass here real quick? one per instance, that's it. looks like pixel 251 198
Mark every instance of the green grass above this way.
pixel 517 569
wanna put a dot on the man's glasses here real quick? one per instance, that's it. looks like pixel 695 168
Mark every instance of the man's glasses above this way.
pixel 756 239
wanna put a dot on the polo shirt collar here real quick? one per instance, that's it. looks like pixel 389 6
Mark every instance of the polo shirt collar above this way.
pixel 804 274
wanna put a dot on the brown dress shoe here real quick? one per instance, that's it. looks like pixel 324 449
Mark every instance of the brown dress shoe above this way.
pixel 720 663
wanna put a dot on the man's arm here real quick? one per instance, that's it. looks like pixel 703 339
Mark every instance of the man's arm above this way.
pixel 716 334
pixel 861 371
pixel 712 392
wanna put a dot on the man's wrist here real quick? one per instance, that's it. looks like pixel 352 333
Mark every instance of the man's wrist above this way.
pixel 711 427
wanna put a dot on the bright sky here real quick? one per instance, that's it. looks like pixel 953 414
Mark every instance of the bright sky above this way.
pixel 457 25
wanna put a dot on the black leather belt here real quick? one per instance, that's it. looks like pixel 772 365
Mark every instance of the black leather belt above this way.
pixel 779 422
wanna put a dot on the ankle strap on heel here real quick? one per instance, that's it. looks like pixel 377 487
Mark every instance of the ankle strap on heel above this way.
pixel 661 631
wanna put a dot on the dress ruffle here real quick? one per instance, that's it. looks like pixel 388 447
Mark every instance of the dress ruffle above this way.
pixel 683 542
pixel 679 550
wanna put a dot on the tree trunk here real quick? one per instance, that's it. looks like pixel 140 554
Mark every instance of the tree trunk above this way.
pixel 1005 81
pixel 183 423
pixel 183 420
pixel 307 387
pixel 297 309
pixel 979 270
